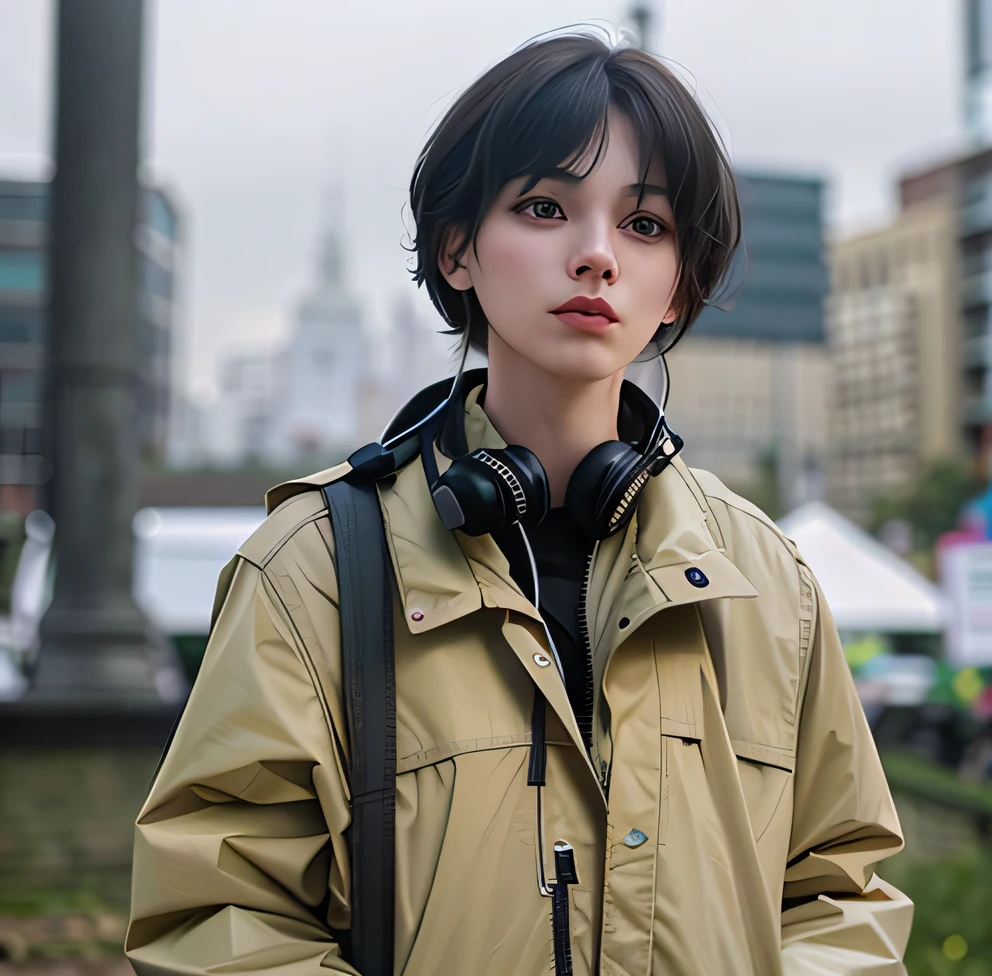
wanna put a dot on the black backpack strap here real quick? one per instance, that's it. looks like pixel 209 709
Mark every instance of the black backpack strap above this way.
pixel 365 605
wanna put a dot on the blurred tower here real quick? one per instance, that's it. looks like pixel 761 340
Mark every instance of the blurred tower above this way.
pixel 317 391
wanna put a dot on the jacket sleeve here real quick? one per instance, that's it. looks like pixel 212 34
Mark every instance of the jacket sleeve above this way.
pixel 839 917
pixel 239 861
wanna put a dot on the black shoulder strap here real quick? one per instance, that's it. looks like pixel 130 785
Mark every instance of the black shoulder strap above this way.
pixel 366 607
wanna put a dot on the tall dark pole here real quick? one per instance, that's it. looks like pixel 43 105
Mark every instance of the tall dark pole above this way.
pixel 95 642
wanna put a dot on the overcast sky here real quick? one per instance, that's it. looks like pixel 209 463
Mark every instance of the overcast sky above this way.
pixel 257 107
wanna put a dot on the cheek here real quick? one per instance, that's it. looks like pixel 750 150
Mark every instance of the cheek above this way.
pixel 657 278
pixel 508 258
pixel 650 277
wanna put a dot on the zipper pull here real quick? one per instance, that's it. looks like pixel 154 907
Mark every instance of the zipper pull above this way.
pixel 565 875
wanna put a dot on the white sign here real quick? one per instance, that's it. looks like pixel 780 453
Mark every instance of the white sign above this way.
pixel 966 577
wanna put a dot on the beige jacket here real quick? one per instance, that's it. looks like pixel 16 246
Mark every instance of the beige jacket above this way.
pixel 728 728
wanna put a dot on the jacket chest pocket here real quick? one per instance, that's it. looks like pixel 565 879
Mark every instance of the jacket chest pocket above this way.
pixel 459 690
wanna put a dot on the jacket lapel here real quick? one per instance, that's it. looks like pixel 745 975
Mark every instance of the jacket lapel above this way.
pixel 668 557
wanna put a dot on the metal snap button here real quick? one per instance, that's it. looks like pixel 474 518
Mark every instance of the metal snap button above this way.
pixel 541 660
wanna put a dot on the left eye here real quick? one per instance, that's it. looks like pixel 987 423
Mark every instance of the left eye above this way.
pixel 647 226
pixel 544 209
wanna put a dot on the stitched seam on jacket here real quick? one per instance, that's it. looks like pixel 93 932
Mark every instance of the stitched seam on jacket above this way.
pixel 438 754
pixel 306 656
pixel 805 623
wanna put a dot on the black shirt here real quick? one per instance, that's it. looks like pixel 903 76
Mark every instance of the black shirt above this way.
pixel 561 552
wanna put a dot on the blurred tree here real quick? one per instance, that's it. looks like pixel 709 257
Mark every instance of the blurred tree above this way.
pixel 953 902
pixel 932 504
pixel 765 491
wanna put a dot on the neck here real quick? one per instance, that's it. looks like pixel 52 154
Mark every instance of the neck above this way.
pixel 560 419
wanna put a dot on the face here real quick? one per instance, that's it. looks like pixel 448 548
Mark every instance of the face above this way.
pixel 577 239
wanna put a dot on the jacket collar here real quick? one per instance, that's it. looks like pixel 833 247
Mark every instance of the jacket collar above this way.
pixel 444 575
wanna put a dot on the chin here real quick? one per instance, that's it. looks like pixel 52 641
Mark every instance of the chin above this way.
pixel 587 365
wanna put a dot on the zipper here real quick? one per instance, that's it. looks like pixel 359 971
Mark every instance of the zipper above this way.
pixel 587 646
pixel 591 709
pixel 565 875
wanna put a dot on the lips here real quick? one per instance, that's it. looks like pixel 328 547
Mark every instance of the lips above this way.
pixel 586 314
pixel 588 306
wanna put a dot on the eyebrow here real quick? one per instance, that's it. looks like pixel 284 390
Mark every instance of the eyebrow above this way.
pixel 637 189
pixel 563 176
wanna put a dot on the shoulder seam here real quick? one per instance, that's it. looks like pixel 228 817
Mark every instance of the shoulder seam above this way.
pixel 765 522
pixel 264 561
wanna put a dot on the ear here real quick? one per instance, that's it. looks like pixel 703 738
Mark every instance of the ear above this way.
pixel 674 306
pixel 455 271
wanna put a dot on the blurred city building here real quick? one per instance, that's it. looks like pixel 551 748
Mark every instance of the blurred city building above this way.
pixel 331 386
pixel 318 375
pixel 299 399
pixel 750 383
pixel 24 331
pixel 978 68
pixel 964 184
pixel 417 356
pixel 893 337
pixel 238 424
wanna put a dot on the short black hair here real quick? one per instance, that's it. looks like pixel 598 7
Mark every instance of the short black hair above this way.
pixel 541 110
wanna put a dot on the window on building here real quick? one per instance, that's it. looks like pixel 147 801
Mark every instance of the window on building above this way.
pixel 20 323
pixel 22 270
pixel 159 214
pixel 24 206
pixel 20 386
pixel 155 279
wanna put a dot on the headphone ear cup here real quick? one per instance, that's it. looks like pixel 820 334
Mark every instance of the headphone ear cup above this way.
pixel 603 487
pixel 533 479
pixel 489 490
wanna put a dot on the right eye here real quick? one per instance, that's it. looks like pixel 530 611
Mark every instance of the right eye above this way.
pixel 543 210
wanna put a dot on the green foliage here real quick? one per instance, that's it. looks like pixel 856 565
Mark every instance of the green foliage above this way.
pixel 952 898
pixel 765 491
pixel 931 505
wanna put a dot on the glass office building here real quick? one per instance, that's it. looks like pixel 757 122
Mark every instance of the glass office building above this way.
pixel 785 277
pixel 24 328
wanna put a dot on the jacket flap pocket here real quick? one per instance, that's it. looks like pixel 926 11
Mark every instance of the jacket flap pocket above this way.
pixel 682 730
pixel 765 755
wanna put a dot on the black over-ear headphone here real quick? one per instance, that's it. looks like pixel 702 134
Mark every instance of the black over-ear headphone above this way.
pixel 488 490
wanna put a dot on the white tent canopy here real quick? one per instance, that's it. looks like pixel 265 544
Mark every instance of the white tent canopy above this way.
pixel 868 588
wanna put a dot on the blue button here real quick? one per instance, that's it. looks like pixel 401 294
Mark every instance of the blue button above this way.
pixel 635 838
pixel 697 577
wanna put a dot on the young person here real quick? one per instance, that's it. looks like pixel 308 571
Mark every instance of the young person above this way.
pixel 627 739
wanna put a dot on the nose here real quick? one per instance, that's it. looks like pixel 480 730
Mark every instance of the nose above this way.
pixel 595 258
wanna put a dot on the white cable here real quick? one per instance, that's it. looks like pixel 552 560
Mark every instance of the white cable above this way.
pixel 537 602
pixel 454 386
